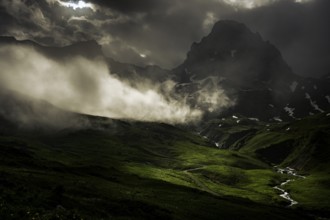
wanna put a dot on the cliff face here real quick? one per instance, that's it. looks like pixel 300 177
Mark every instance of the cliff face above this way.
pixel 251 70
pixel 231 50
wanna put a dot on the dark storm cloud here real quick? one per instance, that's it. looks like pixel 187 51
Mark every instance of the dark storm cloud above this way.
pixel 6 20
pixel 300 31
pixel 161 32
pixel 39 20
pixel 128 6
pixel 86 85
pixel 165 34
pixel 155 32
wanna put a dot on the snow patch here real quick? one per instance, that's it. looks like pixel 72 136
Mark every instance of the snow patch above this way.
pixel 278 119
pixel 220 125
pixel 254 119
pixel 238 121
pixel 313 103
pixel 328 98
pixel 235 117
pixel 290 111
pixel 293 86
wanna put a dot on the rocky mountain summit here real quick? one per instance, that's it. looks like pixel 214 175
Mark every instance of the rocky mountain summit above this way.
pixel 253 72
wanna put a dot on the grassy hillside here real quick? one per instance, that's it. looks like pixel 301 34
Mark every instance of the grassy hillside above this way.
pixel 130 170
pixel 303 144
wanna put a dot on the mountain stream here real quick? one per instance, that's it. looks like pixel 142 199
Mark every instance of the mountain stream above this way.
pixel 284 194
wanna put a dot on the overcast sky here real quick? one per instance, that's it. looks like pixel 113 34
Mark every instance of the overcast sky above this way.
pixel 161 31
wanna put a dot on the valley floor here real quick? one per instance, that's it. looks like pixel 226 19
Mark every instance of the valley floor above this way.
pixel 137 171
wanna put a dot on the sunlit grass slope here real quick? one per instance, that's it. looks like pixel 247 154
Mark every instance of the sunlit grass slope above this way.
pixel 130 170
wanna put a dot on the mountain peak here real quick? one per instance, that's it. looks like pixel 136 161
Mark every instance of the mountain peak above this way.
pixel 250 69
pixel 225 27
pixel 233 33
pixel 228 37
pixel 233 51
